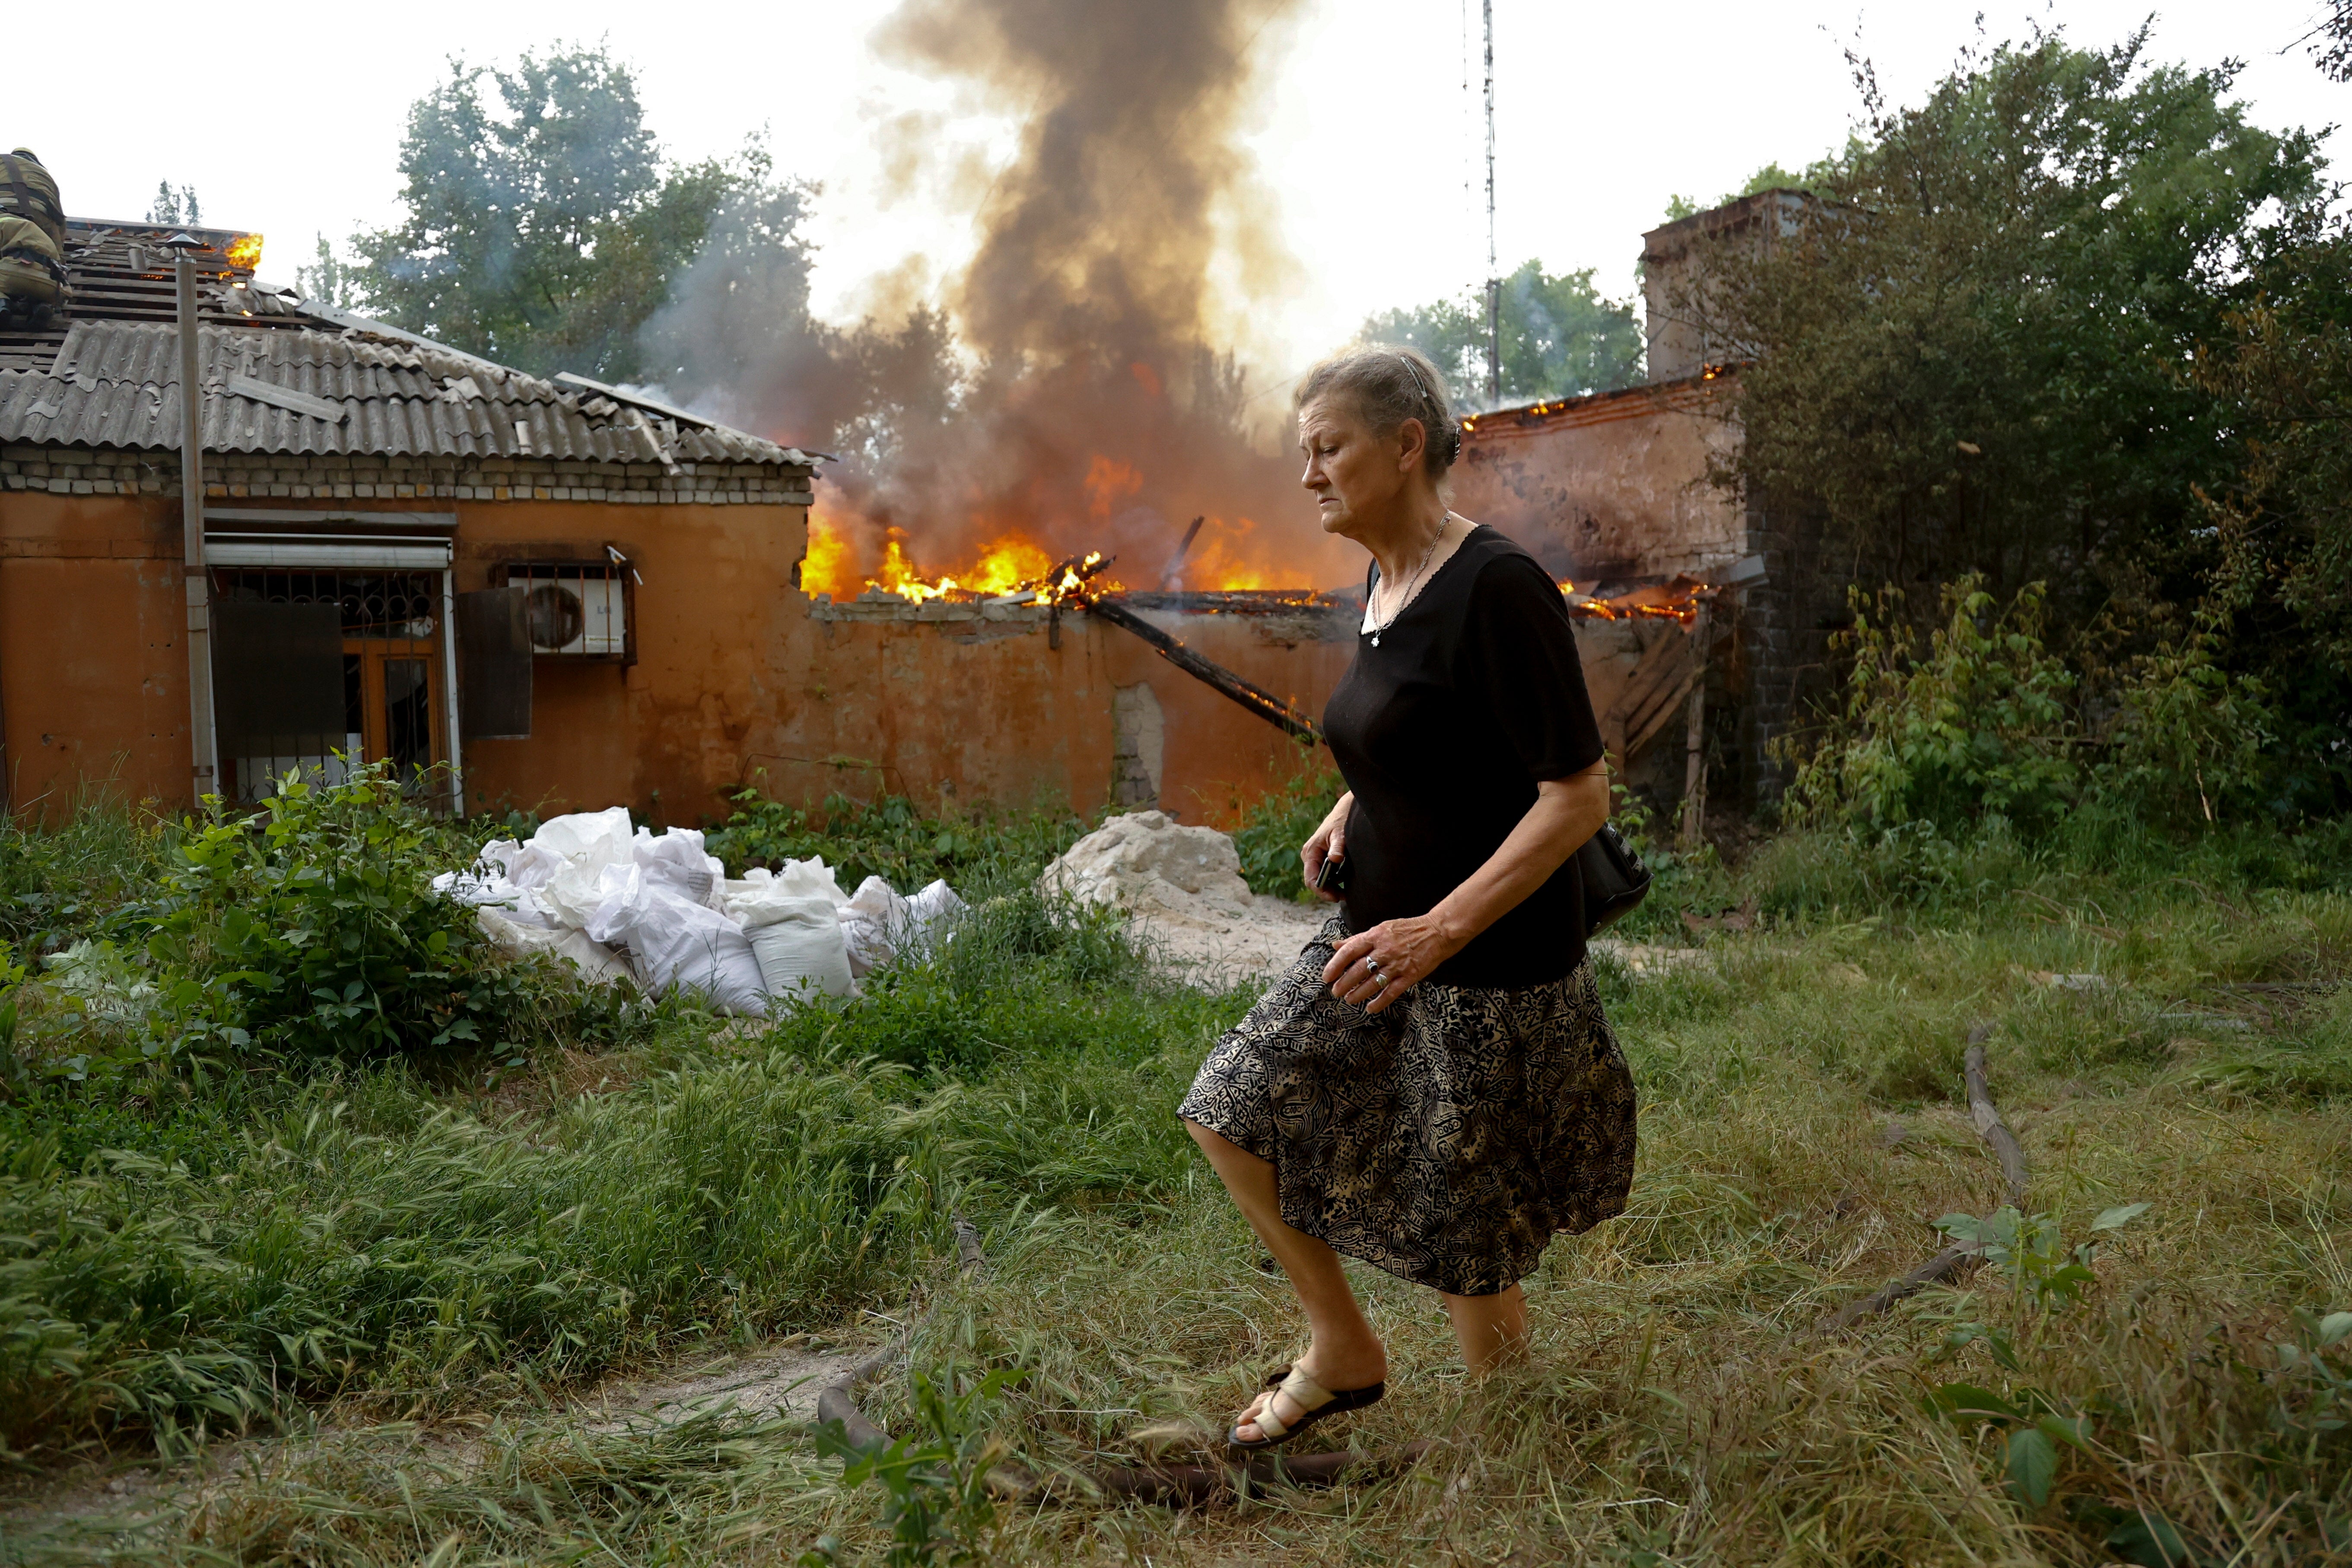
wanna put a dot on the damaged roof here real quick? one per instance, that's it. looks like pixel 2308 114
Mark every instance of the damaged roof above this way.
pixel 283 376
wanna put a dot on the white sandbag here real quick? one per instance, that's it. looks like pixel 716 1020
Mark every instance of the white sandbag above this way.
pixel 484 887
pixel 812 878
pixel 931 915
pixel 761 898
pixel 804 954
pixel 875 922
pixel 595 961
pixel 673 943
pixel 760 888
pixel 584 834
pixel 529 866
pixel 589 841
pixel 676 860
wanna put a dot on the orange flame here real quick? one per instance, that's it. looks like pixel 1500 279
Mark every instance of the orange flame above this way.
pixel 1677 601
pixel 245 251
pixel 1009 564
pixel 1227 554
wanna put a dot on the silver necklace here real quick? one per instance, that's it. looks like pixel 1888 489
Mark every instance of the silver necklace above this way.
pixel 1404 595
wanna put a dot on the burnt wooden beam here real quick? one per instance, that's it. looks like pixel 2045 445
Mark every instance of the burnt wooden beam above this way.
pixel 1255 697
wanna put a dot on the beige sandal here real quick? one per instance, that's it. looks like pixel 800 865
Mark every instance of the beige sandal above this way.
pixel 1314 1401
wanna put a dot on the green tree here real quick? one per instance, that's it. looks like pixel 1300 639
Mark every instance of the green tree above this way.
pixel 1560 337
pixel 2282 524
pixel 1966 352
pixel 174 207
pixel 326 279
pixel 543 225
pixel 1770 177
pixel 2331 41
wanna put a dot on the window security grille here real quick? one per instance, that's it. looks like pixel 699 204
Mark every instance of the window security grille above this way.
pixel 315 667
pixel 575 610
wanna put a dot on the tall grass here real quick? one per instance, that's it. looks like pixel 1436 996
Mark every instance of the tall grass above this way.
pixel 446 1272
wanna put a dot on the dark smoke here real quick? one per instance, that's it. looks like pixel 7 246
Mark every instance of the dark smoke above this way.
pixel 1095 410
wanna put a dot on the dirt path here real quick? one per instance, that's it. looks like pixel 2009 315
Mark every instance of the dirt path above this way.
pixel 90 1509
pixel 782 1378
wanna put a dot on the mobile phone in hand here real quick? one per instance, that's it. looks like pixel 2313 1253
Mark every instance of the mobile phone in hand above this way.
pixel 1333 878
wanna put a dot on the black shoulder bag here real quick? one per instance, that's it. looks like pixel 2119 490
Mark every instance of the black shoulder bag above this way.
pixel 1615 879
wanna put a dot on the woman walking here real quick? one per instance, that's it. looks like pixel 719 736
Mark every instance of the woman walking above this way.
pixel 1431 1088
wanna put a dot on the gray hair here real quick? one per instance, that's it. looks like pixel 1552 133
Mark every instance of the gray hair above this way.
pixel 1387 385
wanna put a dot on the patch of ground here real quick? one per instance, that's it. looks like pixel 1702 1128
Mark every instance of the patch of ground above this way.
pixel 1218 945
pixel 779 1379
pixel 103 1506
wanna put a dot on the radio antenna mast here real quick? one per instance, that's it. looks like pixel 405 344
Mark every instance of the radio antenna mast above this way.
pixel 1493 272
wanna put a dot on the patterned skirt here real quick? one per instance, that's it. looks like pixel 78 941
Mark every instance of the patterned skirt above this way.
pixel 1445 1140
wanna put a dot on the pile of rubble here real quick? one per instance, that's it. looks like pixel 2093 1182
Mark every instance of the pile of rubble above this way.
pixel 1183 885
pixel 617 900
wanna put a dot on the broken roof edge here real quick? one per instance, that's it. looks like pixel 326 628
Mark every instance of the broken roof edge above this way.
pixel 654 406
pixel 352 323
pixel 368 326
pixel 1732 213
pixel 1523 415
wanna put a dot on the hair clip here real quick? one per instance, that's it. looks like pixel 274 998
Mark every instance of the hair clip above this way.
pixel 1416 378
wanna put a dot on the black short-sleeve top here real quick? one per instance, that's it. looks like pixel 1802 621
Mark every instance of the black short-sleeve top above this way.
pixel 1473 694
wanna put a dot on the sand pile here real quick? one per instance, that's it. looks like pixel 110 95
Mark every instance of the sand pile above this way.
pixel 1183 885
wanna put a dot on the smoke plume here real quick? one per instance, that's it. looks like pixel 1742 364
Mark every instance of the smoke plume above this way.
pixel 1095 404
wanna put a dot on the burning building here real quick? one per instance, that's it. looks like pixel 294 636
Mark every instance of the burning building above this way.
pixel 564 594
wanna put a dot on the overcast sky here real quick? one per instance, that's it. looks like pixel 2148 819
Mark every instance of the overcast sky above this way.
pixel 288 121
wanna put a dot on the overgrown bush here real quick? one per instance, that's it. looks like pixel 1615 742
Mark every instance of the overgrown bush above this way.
pixel 2190 733
pixel 1977 724
pixel 312 928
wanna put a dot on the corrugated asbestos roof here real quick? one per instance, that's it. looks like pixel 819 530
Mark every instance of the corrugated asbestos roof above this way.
pixel 116 384
pixel 282 375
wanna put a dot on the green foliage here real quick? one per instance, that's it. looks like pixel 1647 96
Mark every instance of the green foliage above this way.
pixel 936 1503
pixel 1273 827
pixel 1560 337
pixel 1967 351
pixel 1023 980
pixel 543 225
pixel 2331 41
pixel 2030 1252
pixel 2037 1423
pixel 893 839
pixel 76 878
pixel 1978 725
pixel 178 208
pixel 327 278
pixel 312 929
pixel 13 1071
pixel 2314 1390
pixel 2190 733
pixel 1769 177
pixel 2281 525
